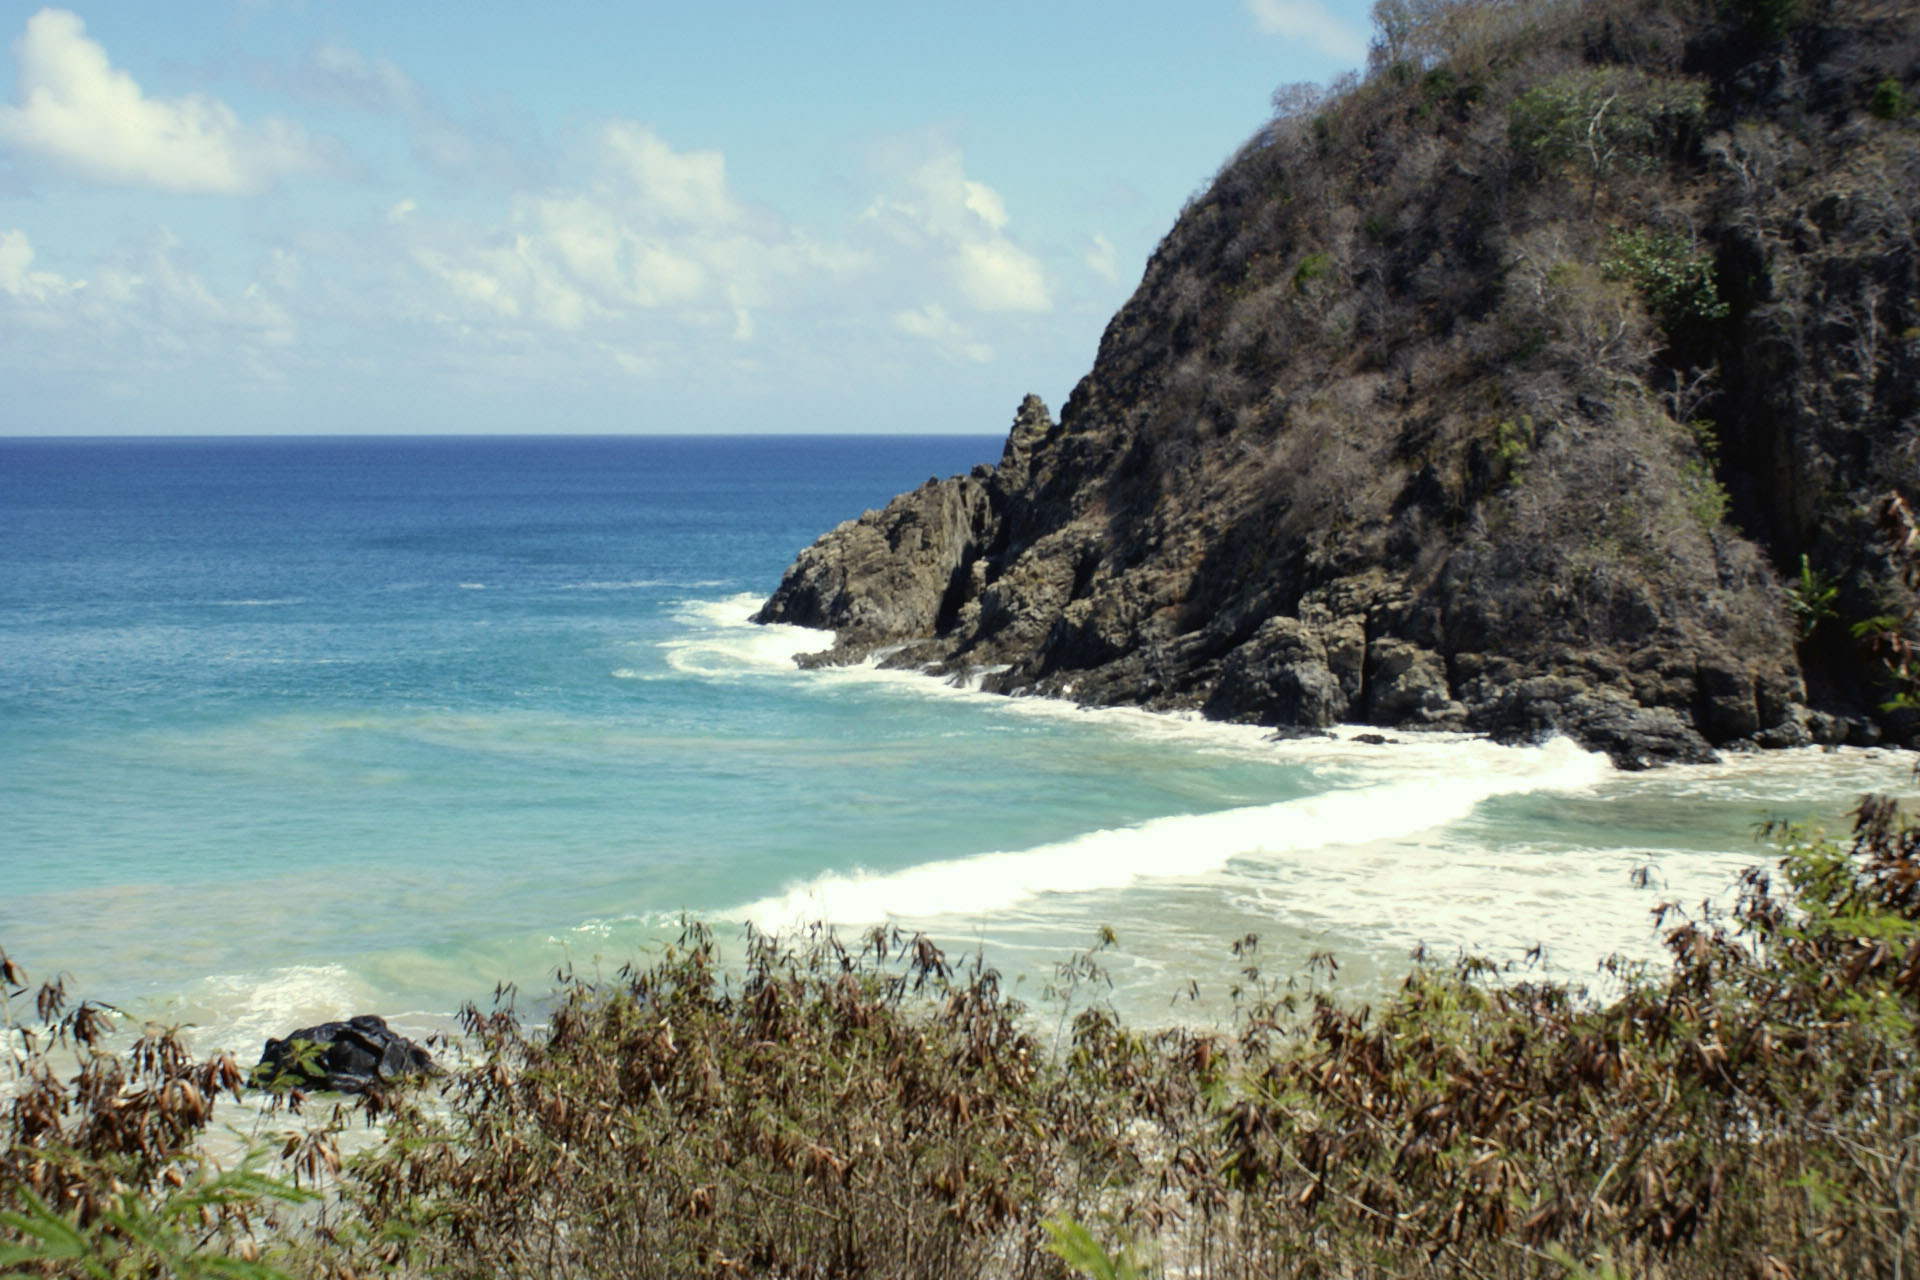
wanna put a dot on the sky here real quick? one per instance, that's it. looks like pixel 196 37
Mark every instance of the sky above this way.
pixel 254 217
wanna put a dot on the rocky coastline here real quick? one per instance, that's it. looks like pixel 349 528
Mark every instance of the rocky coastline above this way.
pixel 1422 419
pixel 934 582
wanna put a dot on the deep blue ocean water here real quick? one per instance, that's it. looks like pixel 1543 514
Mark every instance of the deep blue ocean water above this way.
pixel 299 728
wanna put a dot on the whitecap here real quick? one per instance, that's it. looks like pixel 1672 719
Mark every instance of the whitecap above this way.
pixel 722 641
pixel 1188 846
pixel 241 1011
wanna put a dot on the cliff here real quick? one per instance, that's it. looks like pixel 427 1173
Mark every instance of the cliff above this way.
pixel 1562 374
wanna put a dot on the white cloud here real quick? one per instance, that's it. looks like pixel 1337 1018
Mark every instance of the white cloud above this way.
pixel 139 309
pixel 652 231
pixel 649 255
pixel 76 109
pixel 19 280
pixel 164 298
pixel 994 275
pixel 1313 23
pixel 932 323
pixel 687 186
pixel 1102 259
pixel 959 224
pixel 985 203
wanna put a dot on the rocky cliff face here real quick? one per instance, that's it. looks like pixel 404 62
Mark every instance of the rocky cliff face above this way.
pixel 1556 377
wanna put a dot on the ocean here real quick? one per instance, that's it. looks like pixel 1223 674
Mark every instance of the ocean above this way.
pixel 293 729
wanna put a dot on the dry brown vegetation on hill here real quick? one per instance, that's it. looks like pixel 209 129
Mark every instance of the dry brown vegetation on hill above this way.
pixel 1548 377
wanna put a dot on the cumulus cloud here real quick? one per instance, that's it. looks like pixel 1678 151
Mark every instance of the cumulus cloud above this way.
pixel 932 323
pixel 683 186
pixel 996 275
pixel 1312 23
pixel 19 280
pixel 653 229
pixel 76 109
pixel 959 225
pixel 139 311
pixel 155 297
pixel 649 255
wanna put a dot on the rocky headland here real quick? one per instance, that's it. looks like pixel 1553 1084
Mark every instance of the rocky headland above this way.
pixel 1561 375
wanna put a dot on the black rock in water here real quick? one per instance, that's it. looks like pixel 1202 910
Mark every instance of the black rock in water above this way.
pixel 348 1058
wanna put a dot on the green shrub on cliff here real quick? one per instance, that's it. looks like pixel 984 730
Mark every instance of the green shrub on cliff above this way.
pixel 1674 275
pixel 1889 100
pixel 1606 118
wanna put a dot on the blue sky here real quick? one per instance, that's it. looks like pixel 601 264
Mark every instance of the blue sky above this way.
pixel 304 216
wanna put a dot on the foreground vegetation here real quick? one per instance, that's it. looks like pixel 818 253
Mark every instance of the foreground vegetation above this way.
pixel 824 1111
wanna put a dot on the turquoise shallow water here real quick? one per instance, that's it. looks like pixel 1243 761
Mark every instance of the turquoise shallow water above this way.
pixel 295 729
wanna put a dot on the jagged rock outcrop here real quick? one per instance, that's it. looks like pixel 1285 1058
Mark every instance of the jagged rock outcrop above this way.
pixel 890 574
pixel 1429 414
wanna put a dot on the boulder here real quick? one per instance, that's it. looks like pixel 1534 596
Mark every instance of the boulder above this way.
pixel 1602 719
pixel 1729 709
pixel 1279 677
pixel 348 1057
pixel 1408 685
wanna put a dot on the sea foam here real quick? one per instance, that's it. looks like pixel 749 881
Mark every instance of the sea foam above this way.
pixel 722 642
pixel 1184 846
pixel 239 1012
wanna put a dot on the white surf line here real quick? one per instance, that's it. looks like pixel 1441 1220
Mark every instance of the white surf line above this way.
pixel 1182 846
pixel 727 645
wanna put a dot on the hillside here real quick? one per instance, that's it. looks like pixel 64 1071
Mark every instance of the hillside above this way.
pixel 1562 373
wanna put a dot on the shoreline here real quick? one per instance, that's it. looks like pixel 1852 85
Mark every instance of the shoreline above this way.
pixel 1369 901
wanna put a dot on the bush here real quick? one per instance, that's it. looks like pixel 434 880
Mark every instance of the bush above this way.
pixel 1674 276
pixel 1764 19
pixel 102 1172
pixel 1605 118
pixel 1313 267
pixel 1751 1110
pixel 834 1114
pixel 1889 100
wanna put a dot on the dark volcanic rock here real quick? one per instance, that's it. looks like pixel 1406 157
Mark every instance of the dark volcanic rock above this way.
pixel 1389 434
pixel 888 575
pixel 1408 685
pixel 1279 677
pixel 352 1056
